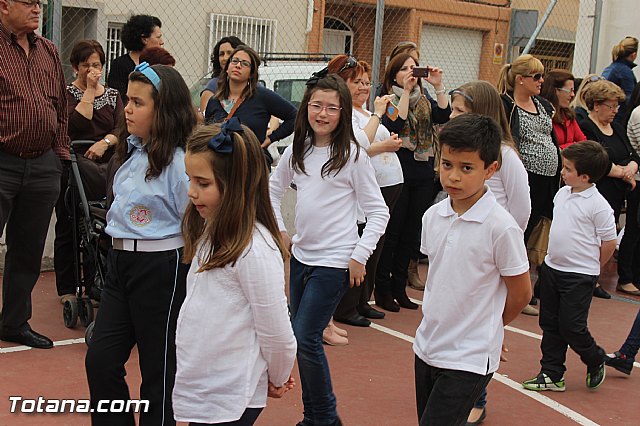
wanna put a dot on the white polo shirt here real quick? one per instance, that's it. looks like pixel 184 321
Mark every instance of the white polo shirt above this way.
pixel 581 221
pixel 464 298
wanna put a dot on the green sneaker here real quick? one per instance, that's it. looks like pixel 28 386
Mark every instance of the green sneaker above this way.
pixel 542 382
pixel 596 377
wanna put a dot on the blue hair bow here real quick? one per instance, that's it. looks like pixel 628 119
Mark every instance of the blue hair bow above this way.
pixel 222 143
pixel 149 72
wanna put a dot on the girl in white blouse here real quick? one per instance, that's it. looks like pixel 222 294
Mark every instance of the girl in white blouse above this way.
pixel 234 341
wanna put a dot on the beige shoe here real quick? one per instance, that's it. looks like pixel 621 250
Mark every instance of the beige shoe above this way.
pixel 330 337
pixel 339 331
pixel 413 278
pixel 530 310
pixel 66 297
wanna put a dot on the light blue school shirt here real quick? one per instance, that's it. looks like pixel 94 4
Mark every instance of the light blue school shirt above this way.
pixel 148 209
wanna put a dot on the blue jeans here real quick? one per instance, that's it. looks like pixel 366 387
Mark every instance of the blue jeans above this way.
pixel 632 344
pixel 314 294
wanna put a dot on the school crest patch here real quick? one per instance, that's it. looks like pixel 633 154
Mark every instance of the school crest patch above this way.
pixel 140 216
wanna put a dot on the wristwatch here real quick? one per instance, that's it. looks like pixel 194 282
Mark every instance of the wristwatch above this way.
pixel 107 141
pixel 373 114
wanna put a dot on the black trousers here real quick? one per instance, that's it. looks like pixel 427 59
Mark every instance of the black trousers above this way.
pixel 248 418
pixel 402 238
pixel 542 189
pixel 629 252
pixel 565 298
pixel 445 397
pixel 28 191
pixel 139 306
pixel 357 298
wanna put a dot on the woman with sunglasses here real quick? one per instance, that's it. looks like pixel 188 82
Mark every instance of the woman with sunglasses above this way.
pixel 239 95
pixel 530 119
pixel 558 88
pixel 603 99
pixel 578 104
pixel 381 146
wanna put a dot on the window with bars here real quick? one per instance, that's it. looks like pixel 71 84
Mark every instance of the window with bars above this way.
pixel 258 33
pixel 115 48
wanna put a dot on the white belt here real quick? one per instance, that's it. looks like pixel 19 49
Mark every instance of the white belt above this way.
pixel 147 245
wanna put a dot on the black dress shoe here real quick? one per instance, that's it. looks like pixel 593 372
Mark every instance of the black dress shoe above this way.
pixel 371 313
pixel 29 337
pixel 598 291
pixel 355 319
pixel 404 302
pixel 386 302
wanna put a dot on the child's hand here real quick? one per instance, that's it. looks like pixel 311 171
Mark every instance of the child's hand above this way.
pixel 286 239
pixel 274 392
pixel 357 272
pixel 290 384
pixel 502 356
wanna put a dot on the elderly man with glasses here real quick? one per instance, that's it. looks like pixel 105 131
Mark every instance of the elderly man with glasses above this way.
pixel 33 141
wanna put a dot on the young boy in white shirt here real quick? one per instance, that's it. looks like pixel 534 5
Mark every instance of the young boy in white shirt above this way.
pixel 478 277
pixel 581 241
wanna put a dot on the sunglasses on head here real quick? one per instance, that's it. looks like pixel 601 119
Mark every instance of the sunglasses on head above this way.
pixel 595 78
pixel 461 93
pixel 536 76
pixel 351 63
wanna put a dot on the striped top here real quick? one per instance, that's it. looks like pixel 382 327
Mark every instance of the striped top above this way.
pixel 633 129
pixel 33 103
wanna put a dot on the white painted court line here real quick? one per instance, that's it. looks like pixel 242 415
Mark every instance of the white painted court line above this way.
pixel 554 405
pixel 27 348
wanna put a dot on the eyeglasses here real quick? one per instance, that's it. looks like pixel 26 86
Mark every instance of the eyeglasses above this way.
pixel 29 3
pixel 351 63
pixel 562 89
pixel 242 62
pixel 615 107
pixel 461 93
pixel 536 76
pixel 595 78
pixel 317 109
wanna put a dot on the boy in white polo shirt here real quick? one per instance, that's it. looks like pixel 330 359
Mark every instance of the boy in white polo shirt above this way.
pixel 581 241
pixel 478 277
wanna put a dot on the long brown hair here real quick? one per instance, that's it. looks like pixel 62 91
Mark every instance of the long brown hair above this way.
pixel 482 98
pixel 173 119
pixel 244 201
pixel 341 139
pixel 252 84
pixel 554 80
pixel 392 69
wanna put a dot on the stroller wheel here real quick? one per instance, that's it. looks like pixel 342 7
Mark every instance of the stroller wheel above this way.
pixel 85 311
pixel 88 334
pixel 70 313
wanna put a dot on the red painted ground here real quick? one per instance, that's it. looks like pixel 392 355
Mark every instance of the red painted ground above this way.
pixel 372 376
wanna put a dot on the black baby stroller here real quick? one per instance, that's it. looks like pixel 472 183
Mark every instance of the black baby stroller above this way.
pixel 87 209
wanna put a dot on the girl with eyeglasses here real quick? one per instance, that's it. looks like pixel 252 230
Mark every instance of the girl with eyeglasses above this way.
pixel 619 185
pixel 530 120
pixel 239 95
pixel 558 88
pixel 381 146
pixel 333 176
